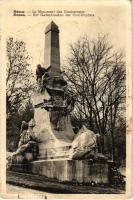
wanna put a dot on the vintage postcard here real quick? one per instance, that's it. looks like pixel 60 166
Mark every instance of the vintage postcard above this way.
pixel 65 99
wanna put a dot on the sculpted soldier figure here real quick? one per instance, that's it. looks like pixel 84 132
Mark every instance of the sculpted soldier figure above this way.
pixel 40 71
pixel 42 76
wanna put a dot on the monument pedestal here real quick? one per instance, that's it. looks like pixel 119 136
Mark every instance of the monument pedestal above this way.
pixel 80 171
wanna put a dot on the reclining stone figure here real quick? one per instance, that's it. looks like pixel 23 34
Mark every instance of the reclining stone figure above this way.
pixel 84 145
pixel 27 146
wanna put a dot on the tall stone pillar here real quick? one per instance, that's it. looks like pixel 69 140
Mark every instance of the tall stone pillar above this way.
pixel 52 52
pixel 52 116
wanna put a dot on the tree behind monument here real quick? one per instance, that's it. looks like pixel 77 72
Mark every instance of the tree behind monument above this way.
pixel 19 85
pixel 96 76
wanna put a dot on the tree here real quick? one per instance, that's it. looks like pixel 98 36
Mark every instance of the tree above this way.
pixel 18 83
pixel 96 76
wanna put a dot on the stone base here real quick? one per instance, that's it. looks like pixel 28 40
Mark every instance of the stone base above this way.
pixel 81 171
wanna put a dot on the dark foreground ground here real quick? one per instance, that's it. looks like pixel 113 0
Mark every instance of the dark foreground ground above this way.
pixel 44 184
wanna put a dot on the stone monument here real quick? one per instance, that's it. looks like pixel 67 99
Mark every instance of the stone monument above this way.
pixel 62 154
pixel 57 141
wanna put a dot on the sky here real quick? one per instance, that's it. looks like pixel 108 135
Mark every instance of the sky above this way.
pixel 108 18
